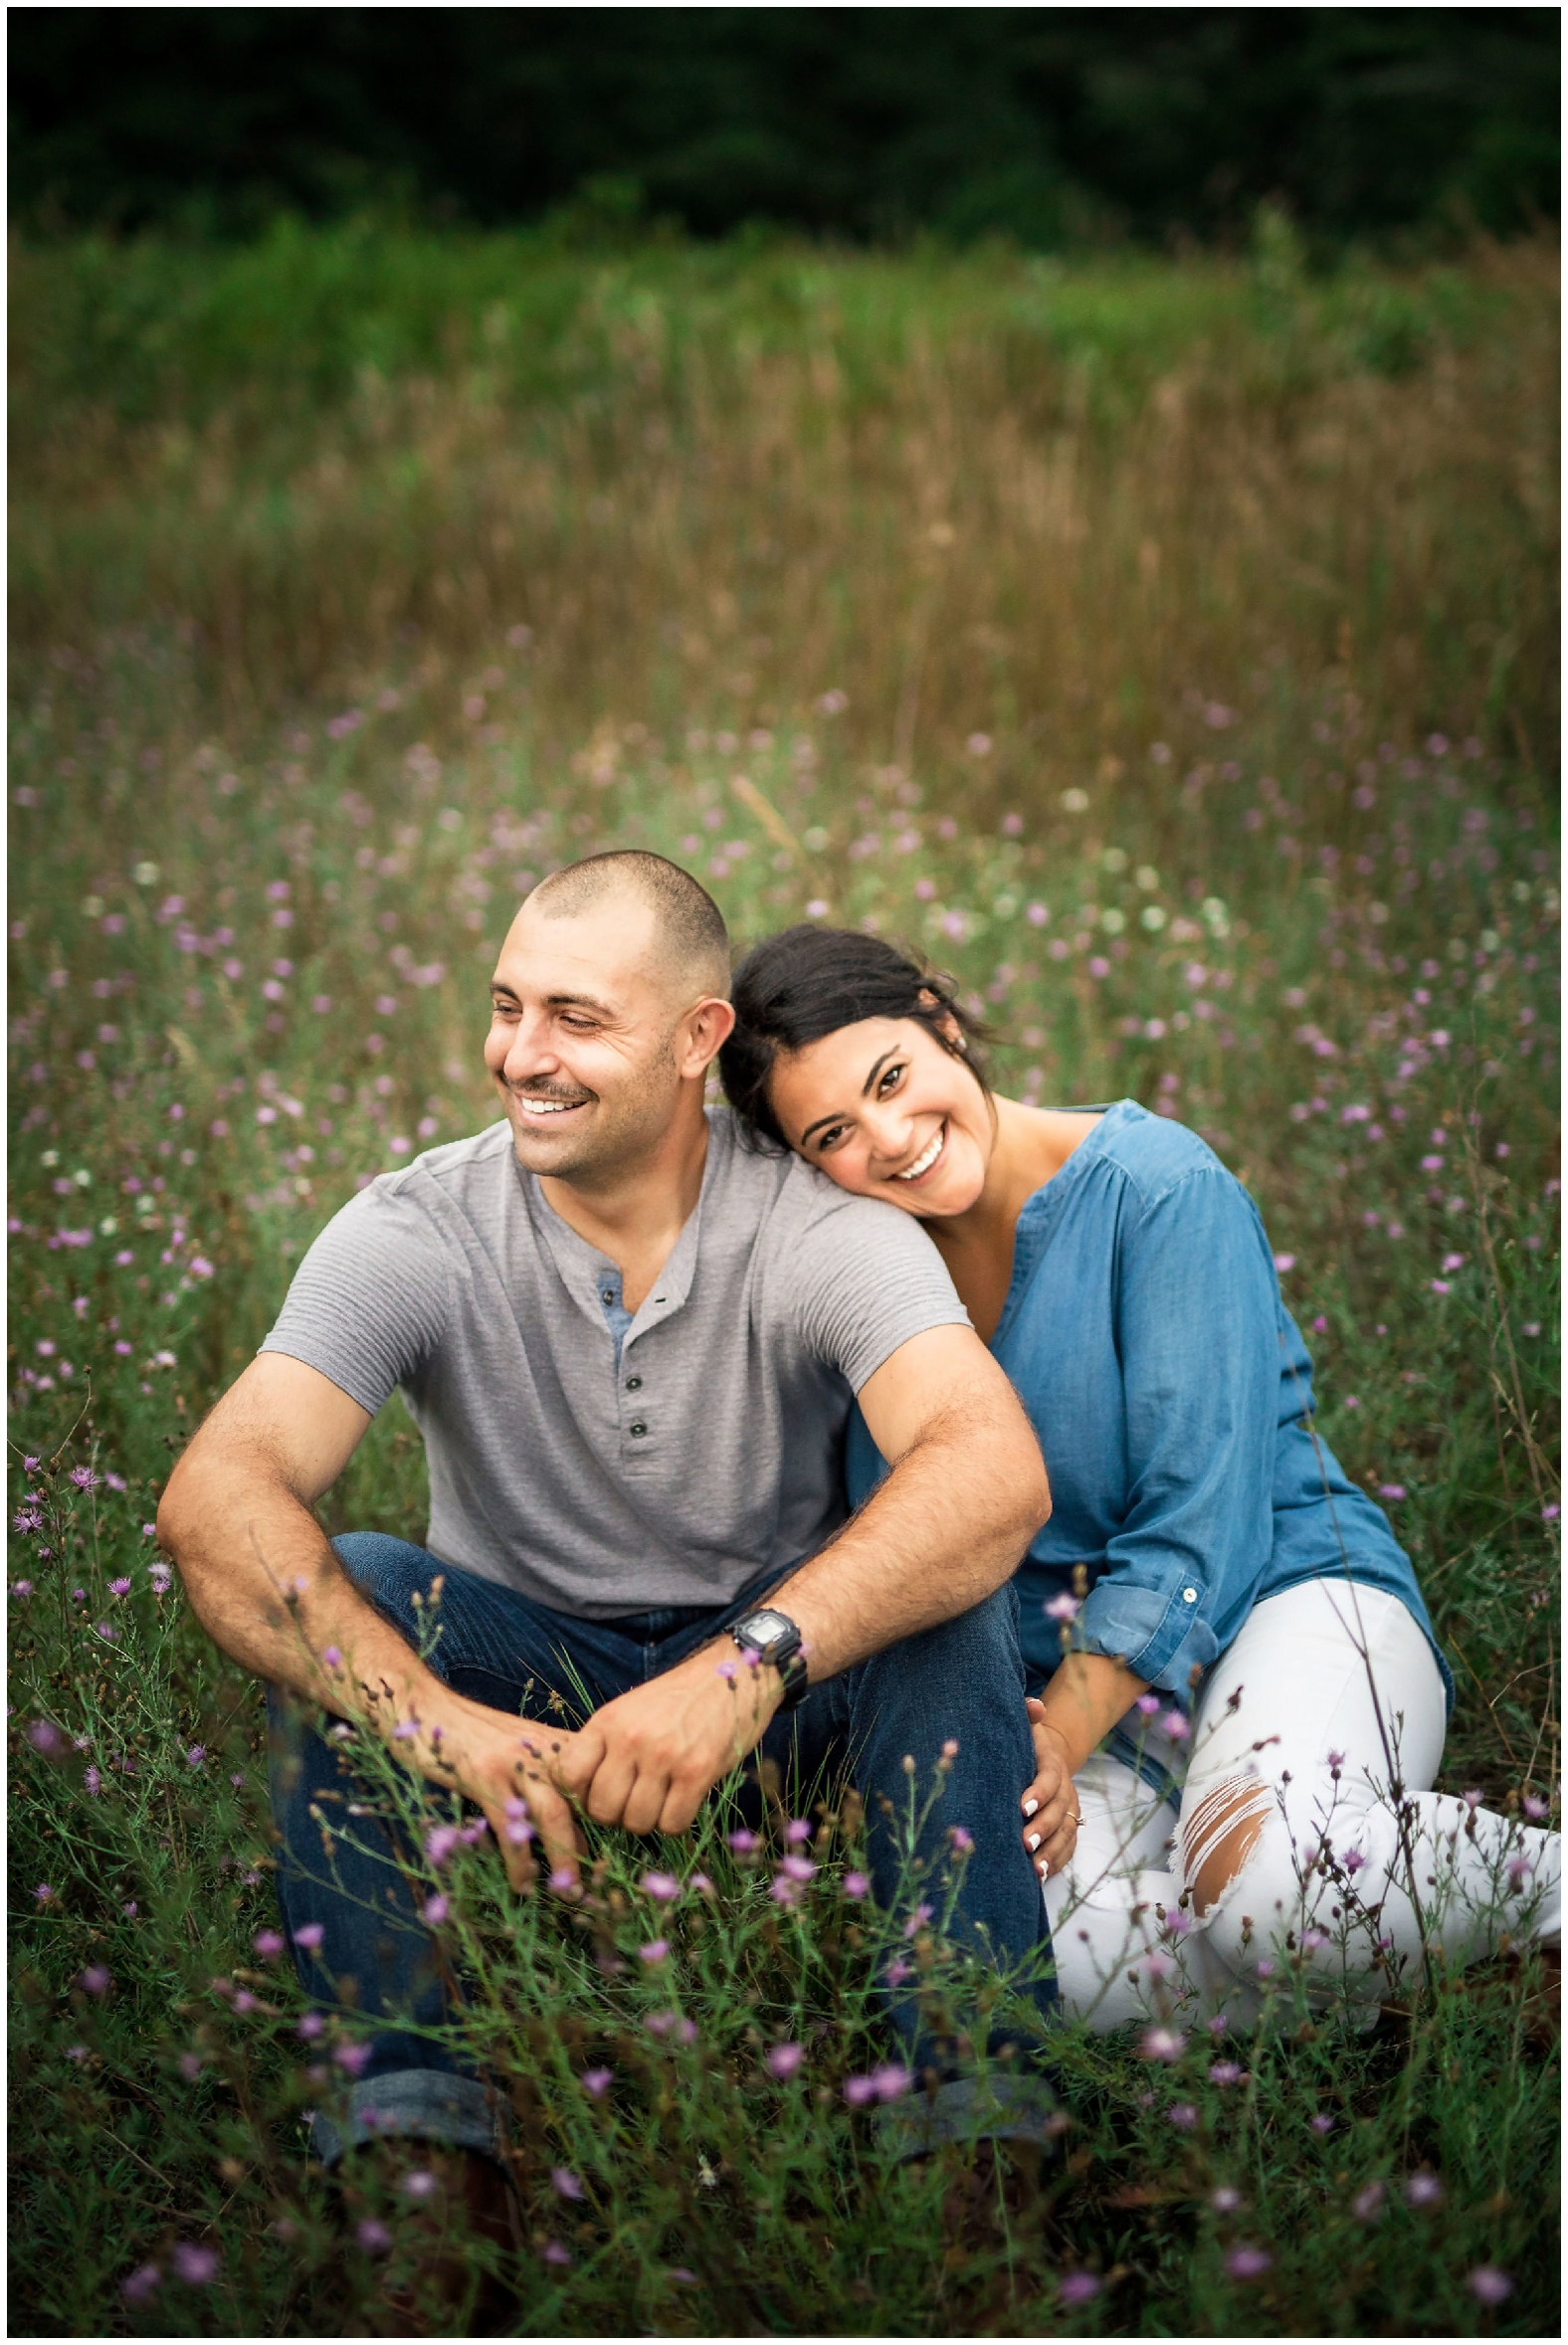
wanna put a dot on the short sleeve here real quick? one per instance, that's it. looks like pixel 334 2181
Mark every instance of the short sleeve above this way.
pixel 370 1300
pixel 866 1279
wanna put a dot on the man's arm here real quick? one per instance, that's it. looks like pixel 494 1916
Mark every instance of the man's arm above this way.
pixel 966 1494
pixel 265 1584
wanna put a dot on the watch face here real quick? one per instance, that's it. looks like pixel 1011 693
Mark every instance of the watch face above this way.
pixel 765 1629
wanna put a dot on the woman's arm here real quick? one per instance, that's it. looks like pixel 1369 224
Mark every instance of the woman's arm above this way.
pixel 1077 1710
pixel 1197 1333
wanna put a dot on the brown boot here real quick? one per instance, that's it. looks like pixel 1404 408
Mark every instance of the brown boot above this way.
pixel 451 2291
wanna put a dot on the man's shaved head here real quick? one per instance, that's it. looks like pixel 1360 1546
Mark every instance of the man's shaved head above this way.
pixel 689 928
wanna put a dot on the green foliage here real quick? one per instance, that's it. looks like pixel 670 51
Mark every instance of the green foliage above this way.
pixel 1167 652
pixel 1051 127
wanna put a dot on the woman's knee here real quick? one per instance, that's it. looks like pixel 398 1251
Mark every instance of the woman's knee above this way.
pixel 1258 1894
pixel 1218 1836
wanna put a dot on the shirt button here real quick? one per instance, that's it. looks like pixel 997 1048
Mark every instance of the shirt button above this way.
pixel 1189 1595
pixel 634 1384
pixel 637 1430
pixel 609 1294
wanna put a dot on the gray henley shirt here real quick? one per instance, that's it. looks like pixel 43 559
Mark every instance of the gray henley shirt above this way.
pixel 602 1464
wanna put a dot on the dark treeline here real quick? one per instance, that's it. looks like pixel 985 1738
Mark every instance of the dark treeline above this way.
pixel 1051 126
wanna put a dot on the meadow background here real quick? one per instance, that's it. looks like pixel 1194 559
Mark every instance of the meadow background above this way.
pixel 1168 647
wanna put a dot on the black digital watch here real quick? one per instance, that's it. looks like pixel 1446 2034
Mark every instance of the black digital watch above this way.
pixel 776 1638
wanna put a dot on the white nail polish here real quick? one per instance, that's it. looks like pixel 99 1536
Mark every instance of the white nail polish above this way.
pixel 1030 1806
pixel 1044 1869
pixel 1031 1841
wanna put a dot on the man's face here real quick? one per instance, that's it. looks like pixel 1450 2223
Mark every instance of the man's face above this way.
pixel 582 1026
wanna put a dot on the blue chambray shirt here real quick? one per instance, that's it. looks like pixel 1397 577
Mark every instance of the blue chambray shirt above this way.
pixel 1145 1334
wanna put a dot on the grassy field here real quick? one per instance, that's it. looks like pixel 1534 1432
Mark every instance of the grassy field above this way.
pixel 1169 649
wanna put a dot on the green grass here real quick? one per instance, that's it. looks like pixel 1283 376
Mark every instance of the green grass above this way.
pixel 1256 825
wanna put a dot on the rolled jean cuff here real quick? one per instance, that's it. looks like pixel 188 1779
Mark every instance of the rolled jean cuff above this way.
pixel 428 2103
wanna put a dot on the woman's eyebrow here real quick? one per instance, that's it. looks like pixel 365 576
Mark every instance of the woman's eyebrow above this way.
pixel 865 1093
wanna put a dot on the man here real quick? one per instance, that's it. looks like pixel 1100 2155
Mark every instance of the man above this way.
pixel 630 1345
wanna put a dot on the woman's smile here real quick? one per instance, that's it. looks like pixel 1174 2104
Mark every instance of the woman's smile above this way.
pixel 929 1157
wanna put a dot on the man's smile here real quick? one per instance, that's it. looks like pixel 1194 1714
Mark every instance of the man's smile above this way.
pixel 537 1106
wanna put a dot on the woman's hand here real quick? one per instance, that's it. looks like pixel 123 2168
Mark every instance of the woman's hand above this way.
pixel 1050 1805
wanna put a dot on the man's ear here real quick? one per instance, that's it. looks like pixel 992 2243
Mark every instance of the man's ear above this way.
pixel 704 1027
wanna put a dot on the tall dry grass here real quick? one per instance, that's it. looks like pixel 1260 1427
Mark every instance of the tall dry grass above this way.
pixel 1036 503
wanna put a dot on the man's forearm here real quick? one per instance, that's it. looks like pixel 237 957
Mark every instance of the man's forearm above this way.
pixel 941 1533
pixel 265 1584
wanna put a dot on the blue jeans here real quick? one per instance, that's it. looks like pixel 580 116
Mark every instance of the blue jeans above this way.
pixel 962 1681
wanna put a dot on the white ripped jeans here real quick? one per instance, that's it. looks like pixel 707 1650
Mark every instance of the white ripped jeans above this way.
pixel 1328 1698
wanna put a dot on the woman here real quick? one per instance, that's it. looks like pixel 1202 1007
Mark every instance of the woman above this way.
pixel 1242 1704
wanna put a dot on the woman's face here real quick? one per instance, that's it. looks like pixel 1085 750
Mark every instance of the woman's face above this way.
pixel 886 1111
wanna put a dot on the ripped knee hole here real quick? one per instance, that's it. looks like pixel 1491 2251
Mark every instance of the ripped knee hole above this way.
pixel 1219 1835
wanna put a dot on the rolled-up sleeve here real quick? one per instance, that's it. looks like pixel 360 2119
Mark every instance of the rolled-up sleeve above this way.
pixel 1197 1311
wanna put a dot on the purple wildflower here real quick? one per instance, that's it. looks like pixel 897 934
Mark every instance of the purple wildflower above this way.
pixel 420 2184
pixel 374 2236
pixel 95 1979
pixel 141 2283
pixel 565 2182
pixel 197 2267
pixel 655 1950
pixel 1423 2190
pixel 1078 2287
pixel 352 2059
pixel 1248 2263
pixel 662 1887
pixel 854 1884
pixel 1182 2115
pixel 1488 2285
pixel 784 2058
pixel 597 2081
pixel 1162 2043
pixel 309 1935
pixel 555 2251
pixel 434 1911
pixel 268 1944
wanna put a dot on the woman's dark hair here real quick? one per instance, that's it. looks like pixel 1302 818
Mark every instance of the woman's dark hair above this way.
pixel 793 988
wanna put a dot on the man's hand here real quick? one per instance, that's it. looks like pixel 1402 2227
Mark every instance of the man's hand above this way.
pixel 648 1759
pixel 509 1768
pixel 1050 1803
